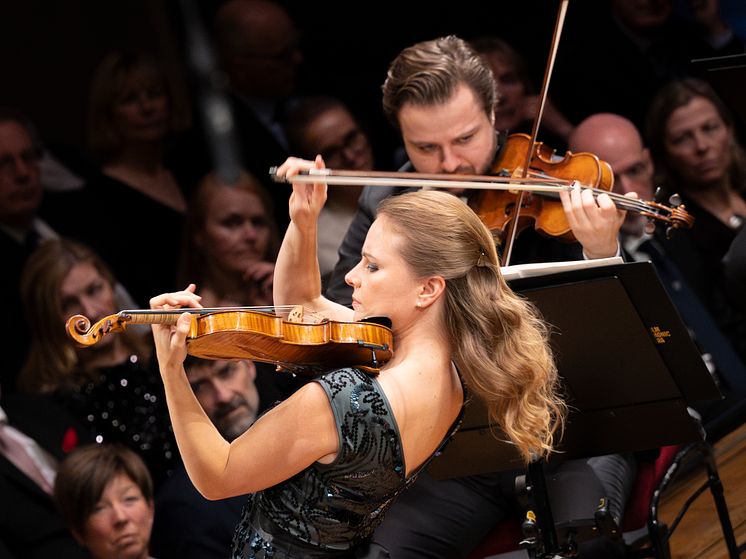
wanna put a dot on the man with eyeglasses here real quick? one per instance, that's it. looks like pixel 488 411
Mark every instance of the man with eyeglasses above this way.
pixel 20 229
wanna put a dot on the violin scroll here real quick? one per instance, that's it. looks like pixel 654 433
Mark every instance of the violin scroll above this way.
pixel 79 328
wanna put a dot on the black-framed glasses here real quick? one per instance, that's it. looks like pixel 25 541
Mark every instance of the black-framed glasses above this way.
pixel 29 157
pixel 354 140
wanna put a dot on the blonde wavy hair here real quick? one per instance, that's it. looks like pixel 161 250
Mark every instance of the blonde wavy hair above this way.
pixel 500 342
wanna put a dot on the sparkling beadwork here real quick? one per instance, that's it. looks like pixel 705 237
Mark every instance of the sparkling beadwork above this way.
pixel 340 503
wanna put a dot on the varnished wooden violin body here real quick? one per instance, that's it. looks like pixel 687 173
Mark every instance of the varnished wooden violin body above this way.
pixel 259 335
pixel 541 210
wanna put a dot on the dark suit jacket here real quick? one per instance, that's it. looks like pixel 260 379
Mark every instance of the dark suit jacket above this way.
pixel 14 331
pixel 260 151
pixel 30 526
pixel 188 526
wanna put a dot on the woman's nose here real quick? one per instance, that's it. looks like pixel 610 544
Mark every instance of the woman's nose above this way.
pixel 700 142
pixel 119 512
pixel 351 277
pixel 145 102
pixel 249 230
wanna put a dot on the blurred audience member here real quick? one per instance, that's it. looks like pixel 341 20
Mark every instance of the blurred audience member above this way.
pixel 21 228
pixel 518 101
pixel 696 155
pixel 110 386
pixel 258 45
pixel 615 140
pixel 324 126
pixel 105 494
pixel 35 434
pixel 232 393
pixel 231 243
pixel 134 208
pixel 625 50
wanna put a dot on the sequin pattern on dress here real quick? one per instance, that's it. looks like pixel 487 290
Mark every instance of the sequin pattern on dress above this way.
pixel 327 509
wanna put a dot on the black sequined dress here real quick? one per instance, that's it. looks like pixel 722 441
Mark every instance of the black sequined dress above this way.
pixel 328 509
pixel 126 404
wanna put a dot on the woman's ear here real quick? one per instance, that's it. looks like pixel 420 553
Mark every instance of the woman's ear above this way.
pixel 430 291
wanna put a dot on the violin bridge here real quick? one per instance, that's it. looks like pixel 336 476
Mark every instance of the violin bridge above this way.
pixel 296 314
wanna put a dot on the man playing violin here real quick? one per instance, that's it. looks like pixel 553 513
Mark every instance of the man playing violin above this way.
pixel 441 97
pixel 447 128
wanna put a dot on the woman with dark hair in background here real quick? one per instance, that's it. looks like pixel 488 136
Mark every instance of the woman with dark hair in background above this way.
pixel 105 494
pixel 692 137
pixel 325 126
pixel 518 103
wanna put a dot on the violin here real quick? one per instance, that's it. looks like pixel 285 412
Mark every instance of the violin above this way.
pixel 267 334
pixel 542 208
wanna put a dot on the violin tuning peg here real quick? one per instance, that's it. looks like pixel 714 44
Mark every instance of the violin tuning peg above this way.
pixel 674 200
pixel 649 226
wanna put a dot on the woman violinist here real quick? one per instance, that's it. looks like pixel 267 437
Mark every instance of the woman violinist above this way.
pixel 441 96
pixel 326 464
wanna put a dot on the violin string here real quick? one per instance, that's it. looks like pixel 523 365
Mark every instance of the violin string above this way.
pixel 207 310
pixel 623 201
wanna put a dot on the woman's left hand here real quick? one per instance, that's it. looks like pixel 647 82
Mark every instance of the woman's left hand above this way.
pixel 170 340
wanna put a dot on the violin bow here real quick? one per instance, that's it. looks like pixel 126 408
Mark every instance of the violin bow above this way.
pixel 513 225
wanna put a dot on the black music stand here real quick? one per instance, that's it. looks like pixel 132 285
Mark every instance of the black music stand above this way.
pixel 629 368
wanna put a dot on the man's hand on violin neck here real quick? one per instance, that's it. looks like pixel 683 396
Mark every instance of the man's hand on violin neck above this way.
pixel 595 221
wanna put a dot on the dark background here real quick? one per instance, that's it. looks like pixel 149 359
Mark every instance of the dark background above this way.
pixel 49 49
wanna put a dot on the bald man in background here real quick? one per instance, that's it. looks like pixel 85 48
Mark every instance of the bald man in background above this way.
pixel 616 140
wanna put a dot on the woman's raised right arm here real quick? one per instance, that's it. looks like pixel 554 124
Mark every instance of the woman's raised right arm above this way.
pixel 297 279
